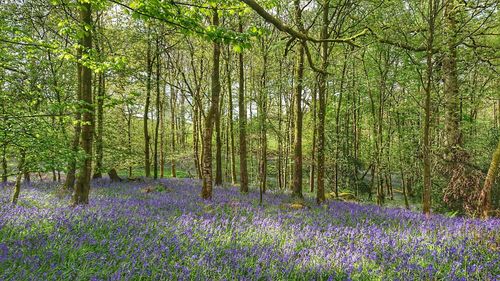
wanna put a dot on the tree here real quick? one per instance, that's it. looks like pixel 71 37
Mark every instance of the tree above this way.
pixel 242 119
pixel 299 78
pixel 426 198
pixel 206 191
pixel 149 70
pixel 82 188
pixel 485 203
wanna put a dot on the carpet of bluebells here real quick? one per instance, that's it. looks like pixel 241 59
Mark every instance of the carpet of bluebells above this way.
pixel 171 234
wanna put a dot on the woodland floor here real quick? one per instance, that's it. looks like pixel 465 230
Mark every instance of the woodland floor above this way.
pixel 169 233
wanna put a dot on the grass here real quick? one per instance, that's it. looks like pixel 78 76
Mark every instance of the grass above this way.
pixel 171 234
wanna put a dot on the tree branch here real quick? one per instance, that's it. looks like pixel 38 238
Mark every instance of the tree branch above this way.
pixel 297 34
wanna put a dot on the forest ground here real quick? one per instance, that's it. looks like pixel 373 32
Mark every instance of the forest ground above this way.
pixel 162 230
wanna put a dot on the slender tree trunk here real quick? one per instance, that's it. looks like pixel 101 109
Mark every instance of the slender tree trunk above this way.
pixel 227 139
pixel 82 188
pixel 380 138
pixel 196 145
pixel 27 176
pixel 99 103
pixel 100 127
pixel 129 138
pixel 158 112
pixel 355 126
pixel 230 117
pixel 402 161
pixel 162 134
pixel 242 120
pixel 4 163
pixel 182 131
pixel 280 136
pixel 147 161
pixel 218 144
pixel 206 192
pixel 312 170
pixel 17 186
pixel 297 151
pixel 173 99
pixel 320 190
pixel 263 127
pixel 290 141
pixel 426 197
pixel 337 127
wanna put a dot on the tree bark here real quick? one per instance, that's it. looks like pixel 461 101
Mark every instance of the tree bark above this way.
pixel 82 188
pixel 149 70
pixel 100 127
pixel 297 151
pixel 157 102
pixel 196 141
pixel 312 170
pixel 450 78
pixel 337 127
pixel 172 131
pixel 71 174
pixel 320 190
pixel 4 163
pixel 162 134
pixel 263 127
pixel 206 192
pixel 98 169
pixel 129 137
pixel 426 196
pixel 280 131
pixel 218 144
pixel 242 114
pixel 230 117
pixel 402 161
pixel 485 201
pixel 17 186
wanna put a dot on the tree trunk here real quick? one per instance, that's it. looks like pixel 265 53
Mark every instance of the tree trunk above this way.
pixel 242 114
pixel 312 170
pixel 173 99
pixel 81 193
pixel 162 134
pixel 402 161
pixel 450 78
pixel 4 163
pixel 129 138
pixel 158 112
pixel 149 70
pixel 320 190
pixel 426 196
pixel 196 145
pixel 17 186
pixel 485 195
pixel 280 135
pixel 337 127
pixel 71 174
pixel 218 144
pixel 263 127
pixel 297 151
pixel 206 192
pixel 100 127
pixel 230 117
